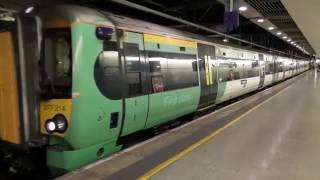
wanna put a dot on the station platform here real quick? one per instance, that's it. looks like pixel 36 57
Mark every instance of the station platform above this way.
pixel 273 134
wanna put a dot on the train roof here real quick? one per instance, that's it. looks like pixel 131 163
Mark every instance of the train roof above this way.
pixel 75 13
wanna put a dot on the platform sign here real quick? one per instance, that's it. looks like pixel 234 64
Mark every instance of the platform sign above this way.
pixel 231 20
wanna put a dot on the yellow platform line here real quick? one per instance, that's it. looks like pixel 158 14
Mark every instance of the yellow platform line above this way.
pixel 204 140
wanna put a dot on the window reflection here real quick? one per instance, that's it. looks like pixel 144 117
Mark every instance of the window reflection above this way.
pixel 233 69
pixel 172 70
pixel 107 74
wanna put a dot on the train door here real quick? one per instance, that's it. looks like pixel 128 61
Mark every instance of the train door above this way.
pixel 262 71
pixel 207 72
pixel 136 101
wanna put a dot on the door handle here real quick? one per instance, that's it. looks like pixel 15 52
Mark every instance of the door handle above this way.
pixel 114 118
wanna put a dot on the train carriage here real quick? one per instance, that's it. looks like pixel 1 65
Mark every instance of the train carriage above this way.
pixel 83 79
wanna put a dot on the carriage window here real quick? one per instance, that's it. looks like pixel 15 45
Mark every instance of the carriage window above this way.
pixel 251 68
pixel 224 72
pixel 158 65
pixel 280 67
pixel 170 71
pixel 132 57
pixel 268 67
pixel 180 72
pixel 133 68
pixel 233 69
pixel 230 70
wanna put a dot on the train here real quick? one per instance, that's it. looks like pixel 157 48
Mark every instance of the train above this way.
pixel 76 80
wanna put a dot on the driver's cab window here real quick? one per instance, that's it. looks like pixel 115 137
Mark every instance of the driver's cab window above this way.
pixel 57 62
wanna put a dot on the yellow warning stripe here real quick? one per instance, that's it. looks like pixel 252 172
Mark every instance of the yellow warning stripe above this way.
pixel 207 70
pixel 168 40
pixel 207 60
pixel 210 69
pixel 204 140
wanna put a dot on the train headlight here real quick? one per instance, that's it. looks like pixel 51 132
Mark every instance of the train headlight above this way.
pixel 50 126
pixel 57 124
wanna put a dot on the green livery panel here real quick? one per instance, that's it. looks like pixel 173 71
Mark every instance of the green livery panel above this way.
pixel 172 104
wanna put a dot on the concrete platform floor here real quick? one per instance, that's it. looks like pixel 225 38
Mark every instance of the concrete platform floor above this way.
pixel 278 140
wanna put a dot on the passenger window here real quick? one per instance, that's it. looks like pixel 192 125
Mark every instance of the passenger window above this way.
pixel 158 65
pixel 280 67
pixel 132 57
pixel 230 70
pixel 233 69
pixel 269 67
pixel 157 84
pixel 133 68
pixel 155 66
pixel 251 68
pixel 180 71
pixel 134 83
pixel 170 71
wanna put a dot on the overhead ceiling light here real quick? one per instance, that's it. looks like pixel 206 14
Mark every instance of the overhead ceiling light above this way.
pixel 225 40
pixel 260 20
pixel 289 40
pixel 292 42
pixel 284 37
pixel 243 8
pixel 6 18
pixel 29 9
pixel 279 33
pixel 271 28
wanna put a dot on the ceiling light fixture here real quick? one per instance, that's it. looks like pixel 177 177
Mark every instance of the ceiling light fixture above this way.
pixel 260 20
pixel 243 8
pixel 271 28
pixel 29 9
pixel 225 40
pixel 279 33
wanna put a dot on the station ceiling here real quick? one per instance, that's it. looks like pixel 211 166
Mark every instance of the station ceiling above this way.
pixel 306 14
pixel 208 13
pixel 275 12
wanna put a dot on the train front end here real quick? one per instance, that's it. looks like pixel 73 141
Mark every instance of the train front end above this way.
pixel 39 57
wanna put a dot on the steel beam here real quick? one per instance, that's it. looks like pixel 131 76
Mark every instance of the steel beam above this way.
pixel 8 10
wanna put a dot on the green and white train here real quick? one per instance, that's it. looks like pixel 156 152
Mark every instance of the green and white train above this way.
pixel 94 77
